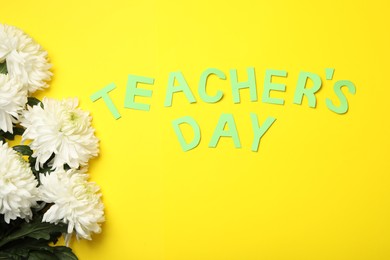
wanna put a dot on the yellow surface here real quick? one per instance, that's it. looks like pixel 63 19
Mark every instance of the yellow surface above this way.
pixel 319 186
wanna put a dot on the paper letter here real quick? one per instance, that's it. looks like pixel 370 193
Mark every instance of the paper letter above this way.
pixel 132 91
pixel 202 86
pixel 343 107
pixel 309 93
pixel 195 127
pixel 225 119
pixel 103 93
pixel 268 86
pixel 259 131
pixel 183 87
pixel 236 86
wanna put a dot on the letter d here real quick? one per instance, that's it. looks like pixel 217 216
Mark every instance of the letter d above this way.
pixel 195 127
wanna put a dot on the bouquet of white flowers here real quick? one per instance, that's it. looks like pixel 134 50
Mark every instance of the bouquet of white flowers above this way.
pixel 44 187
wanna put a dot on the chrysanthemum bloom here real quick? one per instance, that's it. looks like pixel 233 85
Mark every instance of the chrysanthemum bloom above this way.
pixel 61 129
pixel 13 98
pixel 76 202
pixel 18 192
pixel 25 59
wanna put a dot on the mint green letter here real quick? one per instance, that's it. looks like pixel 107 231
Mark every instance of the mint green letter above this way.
pixel 259 131
pixel 103 93
pixel 195 141
pixel 236 86
pixel 225 119
pixel 132 91
pixel 343 107
pixel 183 86
pixel 202 85
pixel 309 93
pixel 268 86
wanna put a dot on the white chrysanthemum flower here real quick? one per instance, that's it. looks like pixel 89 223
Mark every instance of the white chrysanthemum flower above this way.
pixel 25 59
pixel 62 129
pixel 13 98
pixel 76 202
pixel 18 192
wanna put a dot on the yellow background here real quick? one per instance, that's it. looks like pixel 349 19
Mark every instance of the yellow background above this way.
pixel 319 186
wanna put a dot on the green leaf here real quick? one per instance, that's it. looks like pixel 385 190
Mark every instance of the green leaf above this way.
pixel 8 256
pixel 36 229
pixel 3 68
pixel 23 247
pixel 30 248
pixel 18 130
pixel 32 101
pixel 31 240
pixel 7 228
pixel 64 253
pixel 41 255
pixel 23 149
pixel 8 135
pixel 45 168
